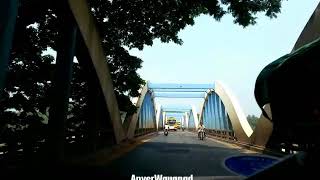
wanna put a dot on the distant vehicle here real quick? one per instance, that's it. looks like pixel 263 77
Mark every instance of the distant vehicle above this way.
pixel 172 123
pixel 172 127
pixel 178 125
pixel 201 134
pixel 166 132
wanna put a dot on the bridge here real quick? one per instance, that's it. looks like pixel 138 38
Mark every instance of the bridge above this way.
pixel 220 112
pixel 181 152
pixel 136 145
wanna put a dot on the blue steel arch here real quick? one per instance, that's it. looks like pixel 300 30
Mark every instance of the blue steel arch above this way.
pixel 144 120
pixel 221 112
pixel 214 115
pixel 191 124
pixel 192 119
pixel 147 117
pixel 161 121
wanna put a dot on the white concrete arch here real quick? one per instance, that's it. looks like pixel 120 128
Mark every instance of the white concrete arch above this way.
pixel 159 112
pixel 90 34
pixel 311 31
pixel 195 116
pixel 155 112
pixel 187 120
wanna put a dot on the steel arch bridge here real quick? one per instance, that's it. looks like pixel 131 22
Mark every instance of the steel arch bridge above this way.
pixel 188 116
pixel 220 113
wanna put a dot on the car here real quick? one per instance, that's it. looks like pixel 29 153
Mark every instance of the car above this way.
pixel 172 127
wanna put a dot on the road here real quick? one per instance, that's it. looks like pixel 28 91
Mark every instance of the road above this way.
pixel 178 154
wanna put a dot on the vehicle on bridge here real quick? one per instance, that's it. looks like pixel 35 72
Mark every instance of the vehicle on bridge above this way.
pixel 201 131
pixel 178 125
pixel 172 122
pixel 201 134
pixel 166 132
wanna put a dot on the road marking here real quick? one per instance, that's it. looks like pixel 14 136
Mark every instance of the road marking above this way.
pixel 145 140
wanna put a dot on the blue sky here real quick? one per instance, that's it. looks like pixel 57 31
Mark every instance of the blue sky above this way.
pixel 226 52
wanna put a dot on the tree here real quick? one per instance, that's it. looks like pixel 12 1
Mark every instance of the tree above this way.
pixel 133 24
pixel 123 24
pixel 252 119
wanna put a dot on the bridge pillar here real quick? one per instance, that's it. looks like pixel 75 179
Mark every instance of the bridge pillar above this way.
pixel 95 101
pixel 8 15
pixel 61 87
pixel 263 129
pixel 158 117
pixel 195 116
pixel 89 32
pixel 164 118
pixel 135 117
pixel 187 120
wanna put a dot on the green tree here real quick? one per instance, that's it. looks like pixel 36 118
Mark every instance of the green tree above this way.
pixel 252 119
pixel 128 23
pixel 123 24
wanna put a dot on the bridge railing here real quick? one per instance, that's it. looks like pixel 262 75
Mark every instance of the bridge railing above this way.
pixel 143 131
pixel 223 134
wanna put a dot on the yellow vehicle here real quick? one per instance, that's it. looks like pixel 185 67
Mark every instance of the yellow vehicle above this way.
pixel 171 121
pixel 177 125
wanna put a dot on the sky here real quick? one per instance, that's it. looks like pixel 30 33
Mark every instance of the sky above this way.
pixel 226 52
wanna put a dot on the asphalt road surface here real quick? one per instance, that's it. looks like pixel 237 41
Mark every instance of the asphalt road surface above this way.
pixel 178 154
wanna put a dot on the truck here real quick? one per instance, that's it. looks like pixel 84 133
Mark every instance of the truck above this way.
pixel 171 121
